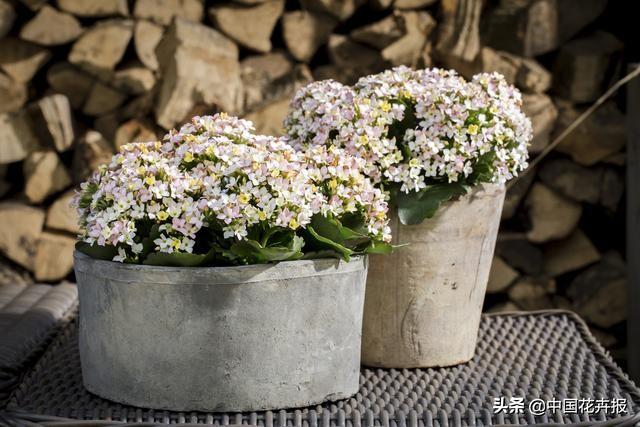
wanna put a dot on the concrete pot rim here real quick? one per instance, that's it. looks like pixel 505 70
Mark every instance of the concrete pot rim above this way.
pixel 203 276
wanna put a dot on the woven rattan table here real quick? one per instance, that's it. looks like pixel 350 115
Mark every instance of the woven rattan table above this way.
pixel 544 355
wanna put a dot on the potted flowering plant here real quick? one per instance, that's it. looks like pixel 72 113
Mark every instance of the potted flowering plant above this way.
pixel 442 148
pixel 220 270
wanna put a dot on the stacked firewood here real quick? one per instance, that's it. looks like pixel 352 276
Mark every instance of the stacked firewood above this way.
pixel 80 78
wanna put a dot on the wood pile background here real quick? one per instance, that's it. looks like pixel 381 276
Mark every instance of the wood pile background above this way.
pixel 79 78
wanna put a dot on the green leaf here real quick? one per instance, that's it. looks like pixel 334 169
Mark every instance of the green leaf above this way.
pixel 254 253
pixel 378 247
pixel 328 243
pixel 414 207
pixel 483 169
pixel 327 228
pixel 98 252
pixel 176 259
pixel 326 253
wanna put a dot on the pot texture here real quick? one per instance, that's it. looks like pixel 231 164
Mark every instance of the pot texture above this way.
pixel 423 302
pixel 221 338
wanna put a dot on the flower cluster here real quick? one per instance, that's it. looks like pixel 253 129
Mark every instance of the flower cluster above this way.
pixel 418 128
pixel 217 191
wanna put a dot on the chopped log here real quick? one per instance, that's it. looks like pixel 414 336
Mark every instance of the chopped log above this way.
pixel 544 302
pixel 534 27
pixel 17 138
pixel 54 257
pixel 134 131
pixel 12 275
pixel 44 175
pixel 346 53
pixel 533 77
pixel 261 89
pixel 268 120
pixel 585 66
pixel 233 20
pixel 521 254
pixel 341 9
pixel 34 5
pixel 413 4
pixel 263 75
pixel 408 49
pixel 344 75
pixel 51 27
pixel 107 125
pixel 199 65
pixel 7 17
pixel 612 189
pixel 13 95
pixel 92 150
pixel 600 292
pixel 501 276
pixel 146 37
pixel 573 253
pixel 458 33
pixel 380 34
pixel 380 4
pixel 572 180
pixel 601 135
pixel 53 121
pixel 552 216
pixel 516 194
pixel 611 267
pixel 102 99
pixel 20 227
pixel 162 12
pixel 526 28
pixel 134 79
pixel 304 32
pixel 273 65
pixel 70 81
pixel 488 60
pixel 21 59
pixel 528 289
pixel 140 106
pixel 543 114
pixel 102 46
pixel 94 9
pixel 61 216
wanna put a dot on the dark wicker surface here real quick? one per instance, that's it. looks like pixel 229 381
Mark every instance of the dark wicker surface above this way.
pixel 28 316
pixel 548 355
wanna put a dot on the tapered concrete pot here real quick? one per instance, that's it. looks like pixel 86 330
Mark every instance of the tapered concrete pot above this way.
pixel 221 338
pixel 423 302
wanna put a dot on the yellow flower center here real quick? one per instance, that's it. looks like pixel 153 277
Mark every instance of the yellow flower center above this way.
pixel 162 215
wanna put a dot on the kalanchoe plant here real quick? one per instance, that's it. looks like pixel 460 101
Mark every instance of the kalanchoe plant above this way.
pixel 425 136
pixel 213 193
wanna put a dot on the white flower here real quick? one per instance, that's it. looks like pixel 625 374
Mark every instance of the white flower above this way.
pixel 450 126
pixel 215 174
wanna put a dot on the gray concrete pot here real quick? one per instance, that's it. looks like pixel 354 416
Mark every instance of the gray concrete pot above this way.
pixel 423 302
pixel 221 338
